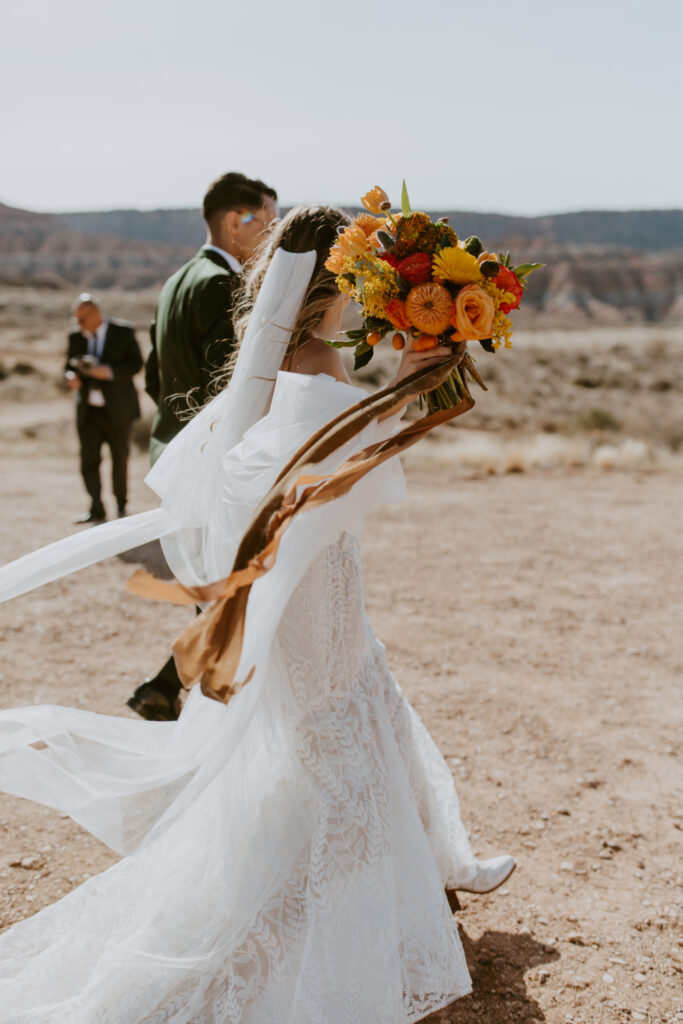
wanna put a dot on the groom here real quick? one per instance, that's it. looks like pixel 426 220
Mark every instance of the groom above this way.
pixel 192 338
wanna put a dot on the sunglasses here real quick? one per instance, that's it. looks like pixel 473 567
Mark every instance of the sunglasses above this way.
pixel 246 217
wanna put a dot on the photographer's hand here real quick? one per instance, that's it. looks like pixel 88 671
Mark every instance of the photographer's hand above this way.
pixel 99 372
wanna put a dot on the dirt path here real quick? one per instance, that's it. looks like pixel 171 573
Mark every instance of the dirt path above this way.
pixel 535 623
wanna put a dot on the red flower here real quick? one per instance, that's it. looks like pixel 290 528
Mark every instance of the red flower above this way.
pixel 416 269
pixel 395 312
pixel 508 282
pixel 388 257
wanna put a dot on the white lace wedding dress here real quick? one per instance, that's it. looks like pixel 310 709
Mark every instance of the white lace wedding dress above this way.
pixel 287 853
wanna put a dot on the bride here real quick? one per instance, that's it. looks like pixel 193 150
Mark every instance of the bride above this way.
pixel 286 855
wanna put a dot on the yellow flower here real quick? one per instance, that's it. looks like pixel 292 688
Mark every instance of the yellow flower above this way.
pixel 501 332
pixel 454 264
pixel 374 283
pixel 376 200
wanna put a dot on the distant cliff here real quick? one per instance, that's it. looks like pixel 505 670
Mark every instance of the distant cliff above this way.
pixel 600 267
pixel 642 230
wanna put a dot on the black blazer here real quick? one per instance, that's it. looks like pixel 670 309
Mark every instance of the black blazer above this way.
pixel 192 337
pixel 122 352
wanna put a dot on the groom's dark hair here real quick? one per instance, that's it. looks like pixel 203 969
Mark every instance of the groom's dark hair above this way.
pixel 234 191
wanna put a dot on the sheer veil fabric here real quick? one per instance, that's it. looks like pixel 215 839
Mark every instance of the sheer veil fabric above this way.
pixel 284 856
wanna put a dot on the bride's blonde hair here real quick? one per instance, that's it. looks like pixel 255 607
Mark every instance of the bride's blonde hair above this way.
pixel 303 229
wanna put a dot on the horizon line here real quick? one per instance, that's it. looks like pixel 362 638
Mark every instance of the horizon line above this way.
pixel 357 206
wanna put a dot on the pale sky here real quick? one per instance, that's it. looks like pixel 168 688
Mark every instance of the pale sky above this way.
pixel 531 106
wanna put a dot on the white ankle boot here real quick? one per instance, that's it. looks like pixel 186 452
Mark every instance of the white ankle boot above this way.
pixel 490 874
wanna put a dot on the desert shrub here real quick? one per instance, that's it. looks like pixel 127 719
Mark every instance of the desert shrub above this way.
pixel 599 419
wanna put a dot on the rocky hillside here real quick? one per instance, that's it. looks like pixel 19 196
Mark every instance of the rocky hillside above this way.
pixel 601 267
pixel 648 230
pixel 42 250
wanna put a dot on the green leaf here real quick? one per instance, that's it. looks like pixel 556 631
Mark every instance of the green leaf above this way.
pixel 364 354
pixel 377 323
pixel 526 268
pixel 341 344
pixel 405 202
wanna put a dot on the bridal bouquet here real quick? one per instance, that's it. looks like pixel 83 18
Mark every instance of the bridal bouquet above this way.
pixel 416 280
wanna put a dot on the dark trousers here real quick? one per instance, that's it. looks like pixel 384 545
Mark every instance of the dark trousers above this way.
pixel 96 428
pixel 167 677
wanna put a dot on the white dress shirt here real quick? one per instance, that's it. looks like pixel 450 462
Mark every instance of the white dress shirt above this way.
pixel 229 259
pixel 95 348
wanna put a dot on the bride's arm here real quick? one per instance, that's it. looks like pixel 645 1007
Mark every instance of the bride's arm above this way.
pixel 314 356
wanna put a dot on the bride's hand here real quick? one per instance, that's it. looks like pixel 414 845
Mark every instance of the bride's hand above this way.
pixel 412 361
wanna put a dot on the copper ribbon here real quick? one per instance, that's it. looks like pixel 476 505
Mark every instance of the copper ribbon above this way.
pixel 208 651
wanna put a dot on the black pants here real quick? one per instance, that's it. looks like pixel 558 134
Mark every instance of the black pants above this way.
pixel 167 677
pixel 96 428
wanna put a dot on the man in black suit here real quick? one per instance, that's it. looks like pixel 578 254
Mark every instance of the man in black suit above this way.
pixel 103 357
pixel 192 338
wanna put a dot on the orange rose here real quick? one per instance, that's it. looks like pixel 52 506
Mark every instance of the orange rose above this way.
pixel 473 313
pixel 376 200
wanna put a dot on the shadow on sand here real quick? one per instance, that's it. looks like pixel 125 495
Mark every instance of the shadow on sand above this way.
pixel 498 962
pixel 150 557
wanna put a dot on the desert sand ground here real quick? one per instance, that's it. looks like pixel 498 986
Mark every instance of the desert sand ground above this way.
pixel 531 609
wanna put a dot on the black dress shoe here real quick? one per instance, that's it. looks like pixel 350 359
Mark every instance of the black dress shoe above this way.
pixel 122 512
pixel 94 516
pixel 155 702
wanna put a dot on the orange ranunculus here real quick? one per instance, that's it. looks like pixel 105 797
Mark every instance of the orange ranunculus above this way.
pixel 376 200
pixel 424 342
pixel 334 262
pixel 473 313
pixel 353 241
pixel 395 312
pixel 429 307
pixel 368 223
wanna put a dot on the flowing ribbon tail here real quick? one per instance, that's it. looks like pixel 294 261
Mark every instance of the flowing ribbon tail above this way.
pixel 82 549
pixel 208 651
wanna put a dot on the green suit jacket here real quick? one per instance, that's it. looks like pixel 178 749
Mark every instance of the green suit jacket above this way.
pixel 192 337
